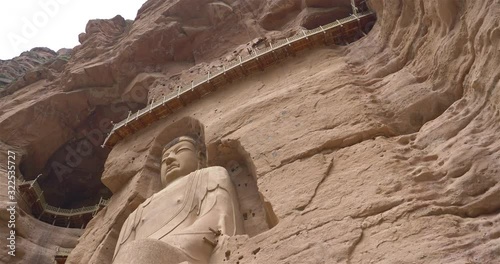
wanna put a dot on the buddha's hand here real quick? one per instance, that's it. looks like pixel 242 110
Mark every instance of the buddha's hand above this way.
pixel 222 240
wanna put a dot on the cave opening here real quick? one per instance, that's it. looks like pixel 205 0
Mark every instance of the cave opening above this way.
pixel 66 189
pixel 72 176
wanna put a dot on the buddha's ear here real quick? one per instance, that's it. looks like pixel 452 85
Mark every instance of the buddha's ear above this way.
pixel 202 158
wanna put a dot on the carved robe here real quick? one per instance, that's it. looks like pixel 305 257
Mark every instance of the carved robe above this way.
pixel 179 216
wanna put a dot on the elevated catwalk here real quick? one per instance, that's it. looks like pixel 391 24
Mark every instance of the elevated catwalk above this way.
pixel 341 31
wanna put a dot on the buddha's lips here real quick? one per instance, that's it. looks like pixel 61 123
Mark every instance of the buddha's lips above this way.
pixel 170 167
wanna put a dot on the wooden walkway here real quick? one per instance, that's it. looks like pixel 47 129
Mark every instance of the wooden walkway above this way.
pixel 62 254
pixel 31 193
pixel 341 32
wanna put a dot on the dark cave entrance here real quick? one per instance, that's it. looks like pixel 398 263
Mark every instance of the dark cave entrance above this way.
pixel 68 190
pixel 72 175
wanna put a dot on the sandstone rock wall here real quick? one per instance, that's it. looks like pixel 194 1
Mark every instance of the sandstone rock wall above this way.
pixel 383 151
pixel 30 67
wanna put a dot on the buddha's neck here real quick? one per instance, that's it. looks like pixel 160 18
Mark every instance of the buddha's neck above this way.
pixel 177 183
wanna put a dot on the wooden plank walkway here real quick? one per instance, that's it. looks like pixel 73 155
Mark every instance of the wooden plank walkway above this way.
pixel 339 32
pixel 31 193
pixel 62 254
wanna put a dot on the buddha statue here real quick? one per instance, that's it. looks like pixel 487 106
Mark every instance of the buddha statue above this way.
pixel 189 219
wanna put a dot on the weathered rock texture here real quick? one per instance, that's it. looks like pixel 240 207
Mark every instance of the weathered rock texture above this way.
pixel 29 67
pixel 384 151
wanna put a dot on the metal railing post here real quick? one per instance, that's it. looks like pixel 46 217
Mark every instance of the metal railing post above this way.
pixel 357 14
pixel 129 113
pixel 354 8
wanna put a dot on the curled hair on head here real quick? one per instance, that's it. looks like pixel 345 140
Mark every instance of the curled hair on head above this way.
pixel 195 140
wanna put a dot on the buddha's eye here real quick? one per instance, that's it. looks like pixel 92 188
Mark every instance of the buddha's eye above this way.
pixel 182 149
pixel 165 155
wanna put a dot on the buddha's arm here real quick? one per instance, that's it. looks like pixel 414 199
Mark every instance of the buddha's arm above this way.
pixel 229 217
pixel 127 233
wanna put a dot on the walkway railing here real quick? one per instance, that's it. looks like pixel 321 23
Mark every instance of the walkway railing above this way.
pixel 60 251
pixel 62 254
pixel 31 190
pixel 300 41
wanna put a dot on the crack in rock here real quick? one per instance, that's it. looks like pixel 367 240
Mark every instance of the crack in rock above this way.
pixel 325 175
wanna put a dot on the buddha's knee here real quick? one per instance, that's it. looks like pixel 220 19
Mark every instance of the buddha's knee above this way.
pixel 150 251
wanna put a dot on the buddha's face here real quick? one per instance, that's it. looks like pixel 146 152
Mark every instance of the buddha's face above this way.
pixel 178 161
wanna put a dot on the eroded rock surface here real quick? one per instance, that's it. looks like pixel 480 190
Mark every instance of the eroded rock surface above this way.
pixel 30 67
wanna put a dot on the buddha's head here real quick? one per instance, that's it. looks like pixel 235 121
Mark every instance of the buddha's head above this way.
pixel 180 157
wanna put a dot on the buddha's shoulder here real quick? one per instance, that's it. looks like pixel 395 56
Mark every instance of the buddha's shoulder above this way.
pixel 218 170
pixel 217 174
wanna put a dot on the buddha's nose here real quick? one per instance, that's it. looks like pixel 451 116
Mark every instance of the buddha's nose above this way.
pixel 169 159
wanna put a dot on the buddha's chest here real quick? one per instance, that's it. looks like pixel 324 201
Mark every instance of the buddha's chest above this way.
pixel 167 208
pixel 180 209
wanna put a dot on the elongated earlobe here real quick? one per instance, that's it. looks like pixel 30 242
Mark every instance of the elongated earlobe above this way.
pixel 200 159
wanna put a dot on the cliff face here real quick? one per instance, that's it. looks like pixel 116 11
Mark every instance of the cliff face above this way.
pixel 30 66
pixel 382 151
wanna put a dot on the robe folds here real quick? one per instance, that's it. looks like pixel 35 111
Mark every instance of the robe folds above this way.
pixel 176 221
